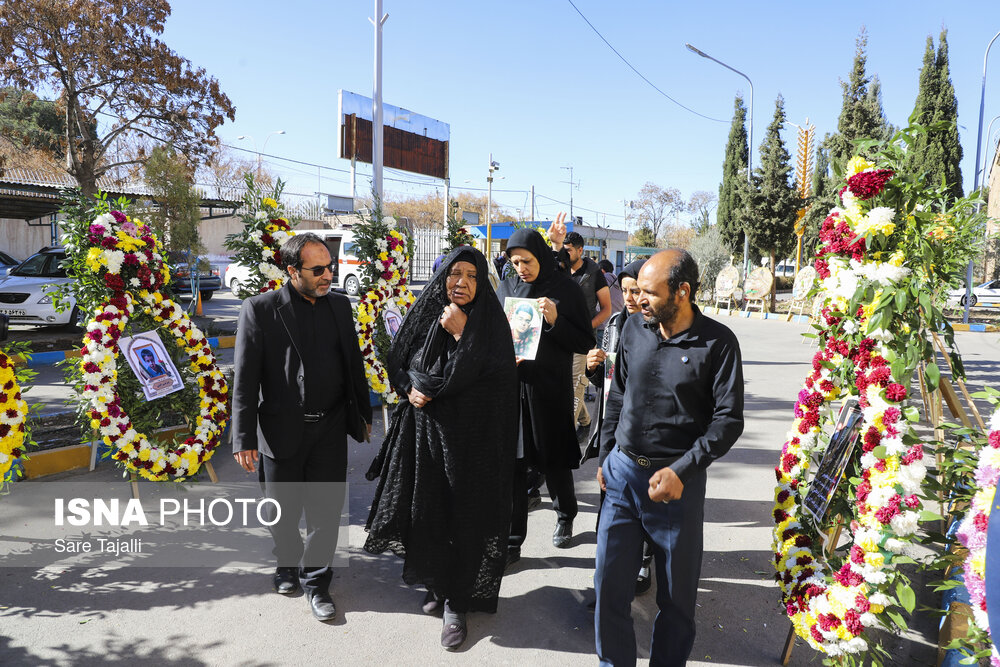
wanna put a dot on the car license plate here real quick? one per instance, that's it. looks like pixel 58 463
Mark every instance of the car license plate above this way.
pixel 12 313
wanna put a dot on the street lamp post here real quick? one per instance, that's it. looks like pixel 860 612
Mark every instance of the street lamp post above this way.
pixel 263 148
pixel 975 180
pixel 494 166
pixel 986 153
pixel 746 241
pixel 571 218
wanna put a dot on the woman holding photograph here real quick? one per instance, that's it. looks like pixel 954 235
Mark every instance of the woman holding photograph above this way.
pixel 547 439
pixel 443 498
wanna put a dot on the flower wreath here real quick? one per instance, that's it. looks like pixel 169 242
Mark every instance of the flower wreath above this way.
pixel 13 415
pixel 870 312
pixel 391 288
pixel 118 242
pixel 972 532
pixel 258 245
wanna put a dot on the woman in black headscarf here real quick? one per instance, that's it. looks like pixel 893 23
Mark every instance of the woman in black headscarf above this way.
pixel 443 498
pixel 548 441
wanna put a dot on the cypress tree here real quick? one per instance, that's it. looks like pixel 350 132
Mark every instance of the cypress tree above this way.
pixel 949 145
pixel 773 198
pixel 733 173
pixel 861 114
pixel 923 110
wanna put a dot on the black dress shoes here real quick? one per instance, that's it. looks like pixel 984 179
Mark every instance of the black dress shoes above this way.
pixel 513 555
pixel 322 605
pixel 644 581
pixel 286 580
pixel 563 534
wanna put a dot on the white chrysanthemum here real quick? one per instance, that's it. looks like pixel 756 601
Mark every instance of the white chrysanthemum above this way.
pixel 905 523
pixel 995 421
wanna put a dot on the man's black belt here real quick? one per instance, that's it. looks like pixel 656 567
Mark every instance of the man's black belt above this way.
pixel 646 462
pixel 312 417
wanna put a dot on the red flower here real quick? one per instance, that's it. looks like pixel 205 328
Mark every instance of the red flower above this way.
pixel 895 392
pixel 852 621
pixel 868 184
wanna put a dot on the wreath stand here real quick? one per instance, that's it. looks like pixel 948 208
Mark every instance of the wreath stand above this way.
pixel 934 402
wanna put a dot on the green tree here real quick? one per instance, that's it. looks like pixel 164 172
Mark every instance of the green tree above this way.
pixel 103 59
pixel 861 114
pixel 711 254
pixel 31 121
pixel 733 165
pixel 770 223
pixel 644 237
pixel 178 214
pixel 937 154
pixel 823 198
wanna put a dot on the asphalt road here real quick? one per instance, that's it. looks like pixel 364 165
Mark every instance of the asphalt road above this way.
pixel 195 616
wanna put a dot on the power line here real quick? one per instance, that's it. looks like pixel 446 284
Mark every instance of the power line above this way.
pixel 637 72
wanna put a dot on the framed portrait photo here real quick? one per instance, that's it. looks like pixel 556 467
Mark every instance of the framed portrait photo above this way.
pixel 525 325
pixel 148 359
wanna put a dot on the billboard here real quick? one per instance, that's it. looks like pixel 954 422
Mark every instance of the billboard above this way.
pixel 412 142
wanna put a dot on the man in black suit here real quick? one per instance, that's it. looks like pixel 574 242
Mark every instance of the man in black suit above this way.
pixel 299 389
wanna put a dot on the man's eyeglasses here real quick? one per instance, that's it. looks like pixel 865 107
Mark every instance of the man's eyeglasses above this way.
pixel 318 270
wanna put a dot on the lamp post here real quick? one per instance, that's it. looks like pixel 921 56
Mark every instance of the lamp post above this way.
pixel 571 218
pixel 986 153
pixel 263 148
pixel 975 180
pixel 494 166
pixel 746 240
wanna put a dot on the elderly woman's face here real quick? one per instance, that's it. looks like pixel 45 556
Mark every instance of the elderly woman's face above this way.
pixel 525 263
pixel 461 283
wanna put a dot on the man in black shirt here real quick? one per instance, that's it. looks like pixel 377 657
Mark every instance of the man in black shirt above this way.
pixel 675 405
pixel 299 389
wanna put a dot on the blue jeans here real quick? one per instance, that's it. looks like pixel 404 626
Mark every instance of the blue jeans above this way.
pixel 675 530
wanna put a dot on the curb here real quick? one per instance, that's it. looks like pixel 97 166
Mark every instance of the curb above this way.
pixel 49 358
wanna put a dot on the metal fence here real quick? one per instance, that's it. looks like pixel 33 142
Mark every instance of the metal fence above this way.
pixel 429 243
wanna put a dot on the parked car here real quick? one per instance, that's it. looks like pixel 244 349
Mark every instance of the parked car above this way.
pixel 784 271
pixel 208 278
pixel 26 294
pixel 987 293
pixel 236 274
pixel 7 263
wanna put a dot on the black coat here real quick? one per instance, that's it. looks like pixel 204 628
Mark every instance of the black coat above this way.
pixel 443 497
pixel 550 440
pixel 269 388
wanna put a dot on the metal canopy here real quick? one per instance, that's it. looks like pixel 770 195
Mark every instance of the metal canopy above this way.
pixel 35 195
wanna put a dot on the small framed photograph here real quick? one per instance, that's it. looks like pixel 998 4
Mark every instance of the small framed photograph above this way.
pixel 150 362
pixel 525 325
pixel 392 319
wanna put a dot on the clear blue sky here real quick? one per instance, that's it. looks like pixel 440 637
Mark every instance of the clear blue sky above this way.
pixel 530 82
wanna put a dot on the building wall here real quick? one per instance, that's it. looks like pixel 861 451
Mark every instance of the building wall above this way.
pixel 993 211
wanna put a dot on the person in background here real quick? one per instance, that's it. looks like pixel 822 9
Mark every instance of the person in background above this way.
pixel 598 368
pixel 299 390
pixel 547 438
pixel 588 276
pixel 616 290
pixel 675 406
pixel 443 500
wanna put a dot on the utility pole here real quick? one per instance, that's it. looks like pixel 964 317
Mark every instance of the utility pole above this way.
pixel 572 219
pixel 532 218
pixel 377 137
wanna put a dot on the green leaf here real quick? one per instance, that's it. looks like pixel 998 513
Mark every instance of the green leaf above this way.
pixel 879 451
pixel 897 619
pixel 933 376
pixel 902 298
pixel 911 414
pixel 906 597
pixel 927 515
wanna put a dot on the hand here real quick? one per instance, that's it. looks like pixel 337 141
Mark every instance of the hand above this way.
pixel 247 459
pixel 665 485
pixel 453 320
pixel 518 360
pixel 595 358
pixel 557 231
pixel 548 308
pixel 417 399
pixel 600 480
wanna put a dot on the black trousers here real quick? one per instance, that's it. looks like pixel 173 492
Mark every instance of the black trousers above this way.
pixel 559 483
pixel 312 482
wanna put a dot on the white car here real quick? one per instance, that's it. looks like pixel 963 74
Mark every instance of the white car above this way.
pixel 26 293
pixel 987 293
pixel 236 274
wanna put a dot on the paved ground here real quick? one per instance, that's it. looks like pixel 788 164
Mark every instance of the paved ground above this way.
pixel 196 616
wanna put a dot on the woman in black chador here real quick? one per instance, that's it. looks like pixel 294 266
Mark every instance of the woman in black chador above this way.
pixel 443 497
pixel 548 441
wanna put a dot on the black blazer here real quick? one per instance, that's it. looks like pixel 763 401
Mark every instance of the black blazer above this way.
pixel 269 388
